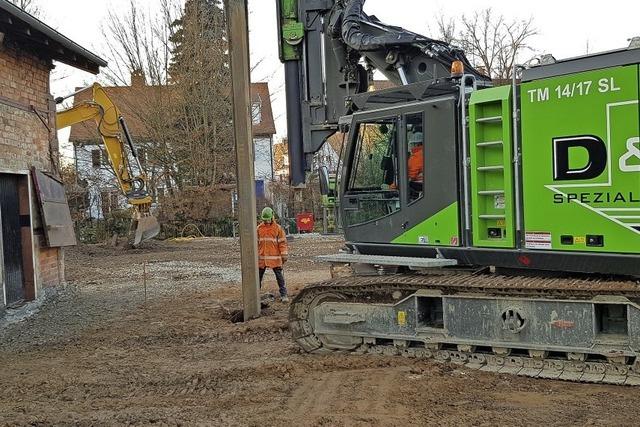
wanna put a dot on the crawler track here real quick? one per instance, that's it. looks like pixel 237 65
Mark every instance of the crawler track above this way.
pixel 577 367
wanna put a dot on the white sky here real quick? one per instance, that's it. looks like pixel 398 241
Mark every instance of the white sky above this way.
pixel 566 28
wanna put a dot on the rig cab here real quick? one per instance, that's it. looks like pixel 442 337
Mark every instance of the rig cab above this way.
pixel 543 175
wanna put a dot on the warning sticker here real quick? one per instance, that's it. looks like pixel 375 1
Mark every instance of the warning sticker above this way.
pixel 402 318
pixel 537 240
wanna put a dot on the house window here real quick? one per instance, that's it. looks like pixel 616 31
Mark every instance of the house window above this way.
pixel 99 158
pixel 256 112
pixel 96 156
pixel 113 201
pixel 109 201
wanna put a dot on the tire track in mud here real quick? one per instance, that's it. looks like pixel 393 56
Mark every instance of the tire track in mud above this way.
pixel 362 396
pixel 96 356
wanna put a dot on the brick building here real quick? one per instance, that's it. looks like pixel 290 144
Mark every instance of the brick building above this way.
pixel 31 243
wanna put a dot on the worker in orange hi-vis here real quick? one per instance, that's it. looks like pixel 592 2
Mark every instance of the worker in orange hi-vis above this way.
pixel 415 164
pixel 272 250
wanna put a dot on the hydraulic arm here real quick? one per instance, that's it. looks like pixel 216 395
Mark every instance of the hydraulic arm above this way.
pixel 116 138
pixel 331 49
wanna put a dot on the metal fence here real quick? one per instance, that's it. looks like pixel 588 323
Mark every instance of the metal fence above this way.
pixel 219 227
pixel 102 230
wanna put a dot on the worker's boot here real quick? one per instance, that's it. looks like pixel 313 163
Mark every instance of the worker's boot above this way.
pixel 284 298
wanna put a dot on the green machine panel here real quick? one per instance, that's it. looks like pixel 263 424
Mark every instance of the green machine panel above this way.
pixel 490 129
pixel 581 161
pixel 441 230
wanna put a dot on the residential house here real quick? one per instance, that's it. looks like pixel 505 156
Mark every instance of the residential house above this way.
pixel 93 167
pixel 90 158
pixel 263 130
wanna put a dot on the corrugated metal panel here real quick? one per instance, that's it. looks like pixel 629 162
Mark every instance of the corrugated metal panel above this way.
pixel 11 238
pixel 56 217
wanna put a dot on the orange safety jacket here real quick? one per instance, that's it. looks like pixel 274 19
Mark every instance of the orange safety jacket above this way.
pixel 272 245
pixel 415 164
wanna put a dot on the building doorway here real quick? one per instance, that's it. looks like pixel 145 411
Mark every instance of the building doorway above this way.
pixel 15 228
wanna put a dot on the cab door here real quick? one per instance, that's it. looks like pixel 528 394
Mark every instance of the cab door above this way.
pixel 429 174
pixel 401 178
pixel 371 202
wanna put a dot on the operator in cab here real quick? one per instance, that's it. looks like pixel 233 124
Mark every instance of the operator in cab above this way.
pixel 415 163
pixel 272 250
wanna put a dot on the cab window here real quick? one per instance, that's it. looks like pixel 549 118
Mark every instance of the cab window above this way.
pixel 373 184
pixel 415 156
pixel 375 158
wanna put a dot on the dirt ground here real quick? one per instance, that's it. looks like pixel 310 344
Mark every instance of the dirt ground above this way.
pixel 97 354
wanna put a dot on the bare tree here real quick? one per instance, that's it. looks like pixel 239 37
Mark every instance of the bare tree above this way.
pixel 492 42
pixel 182 109
pixel 200 70
pixel 446 29
pixel 30 6
pixel 173 62
pixel 138 44
pixel 140 41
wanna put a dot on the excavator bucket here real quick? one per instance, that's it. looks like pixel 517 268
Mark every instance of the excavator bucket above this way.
pixel 145 227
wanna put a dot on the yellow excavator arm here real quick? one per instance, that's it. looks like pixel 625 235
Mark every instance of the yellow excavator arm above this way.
pixel 115 136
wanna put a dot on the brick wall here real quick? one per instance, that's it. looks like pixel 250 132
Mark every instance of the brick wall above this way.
pixel 24 86
pixel 50 262
pixel 26 142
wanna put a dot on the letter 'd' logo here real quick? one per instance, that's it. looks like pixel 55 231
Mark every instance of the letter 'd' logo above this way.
pixel 596 158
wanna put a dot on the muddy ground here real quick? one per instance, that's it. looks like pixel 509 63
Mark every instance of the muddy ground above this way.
pixel 98 354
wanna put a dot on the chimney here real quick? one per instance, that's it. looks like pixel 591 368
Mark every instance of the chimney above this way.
pixel 137 78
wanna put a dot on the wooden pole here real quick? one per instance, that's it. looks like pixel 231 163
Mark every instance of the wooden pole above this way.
pixel 144 280
pixel 237 14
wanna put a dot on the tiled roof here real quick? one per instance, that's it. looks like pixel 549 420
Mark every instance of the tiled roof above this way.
pixel 260 92
pixel 335 141
pixel 382 84
pixel 131 100
pixel 30 33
